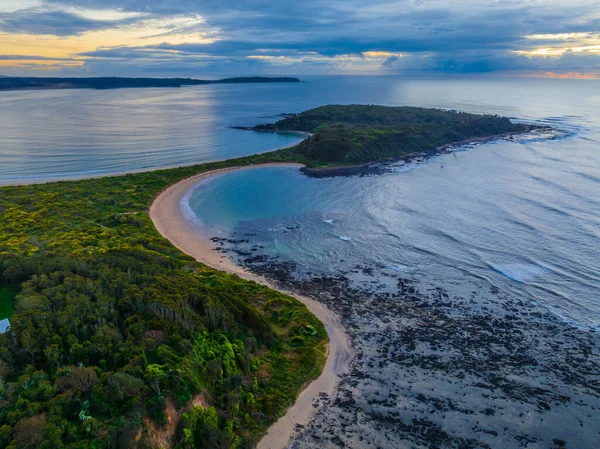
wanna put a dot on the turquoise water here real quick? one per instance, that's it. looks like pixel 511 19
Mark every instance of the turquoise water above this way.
pixel 523 216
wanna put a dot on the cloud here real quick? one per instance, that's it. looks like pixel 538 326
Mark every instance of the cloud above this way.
pixel 390 61
pixel 29 58
pixel 55 22
pixel 380 36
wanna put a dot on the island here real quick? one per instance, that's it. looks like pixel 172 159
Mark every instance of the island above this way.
pixel 32 83
pixel 117 337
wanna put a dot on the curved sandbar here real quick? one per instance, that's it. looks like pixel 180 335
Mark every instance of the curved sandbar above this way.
pixel 170 221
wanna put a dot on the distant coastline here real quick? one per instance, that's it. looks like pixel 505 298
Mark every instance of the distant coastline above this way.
pixel 34 83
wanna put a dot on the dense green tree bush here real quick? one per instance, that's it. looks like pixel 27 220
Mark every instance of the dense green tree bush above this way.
pixel 358 134
pixel 112 323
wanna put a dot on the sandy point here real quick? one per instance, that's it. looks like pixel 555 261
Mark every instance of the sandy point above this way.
pixel 191 238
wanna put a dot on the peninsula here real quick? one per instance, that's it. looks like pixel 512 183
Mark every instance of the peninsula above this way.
pixel 358 134
pixel 119 336
pixel 347 140
pixel 30 83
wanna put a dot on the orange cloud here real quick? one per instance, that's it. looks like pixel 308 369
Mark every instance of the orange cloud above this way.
pixel 174 30
pixel 567 75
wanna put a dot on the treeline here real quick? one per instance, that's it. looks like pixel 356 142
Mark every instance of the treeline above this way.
pixel 119 340
pixel 358 133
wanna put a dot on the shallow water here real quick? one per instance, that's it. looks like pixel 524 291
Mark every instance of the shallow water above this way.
pixel 521 216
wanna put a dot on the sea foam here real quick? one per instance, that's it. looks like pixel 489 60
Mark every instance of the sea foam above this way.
pixel 398 268
pixel 520 272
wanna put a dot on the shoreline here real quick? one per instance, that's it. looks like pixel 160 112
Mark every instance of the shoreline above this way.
pixel 317 172
pixel 171 223
pixel 374 167
pixel 12 83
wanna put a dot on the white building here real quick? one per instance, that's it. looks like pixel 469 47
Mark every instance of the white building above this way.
pixel 4 325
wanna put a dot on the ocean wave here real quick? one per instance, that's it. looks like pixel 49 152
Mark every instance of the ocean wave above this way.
pixel 398 268
pixel 280 227
pixel 186 208
pixel 403 167
pixel 276 228
pixel 520 272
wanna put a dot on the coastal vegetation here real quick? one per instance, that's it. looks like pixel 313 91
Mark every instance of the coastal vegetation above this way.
pixel 119 340
pixel 20 83
pixel 358 134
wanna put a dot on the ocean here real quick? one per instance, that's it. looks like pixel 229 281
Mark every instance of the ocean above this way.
pixel 469 283
pixel 521 214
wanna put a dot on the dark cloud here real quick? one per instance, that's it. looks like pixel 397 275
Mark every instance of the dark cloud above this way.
pixel 494 62
pixel 390 61
pixel 50 22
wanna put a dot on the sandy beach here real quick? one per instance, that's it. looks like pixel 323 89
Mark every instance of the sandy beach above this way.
pixel 186 235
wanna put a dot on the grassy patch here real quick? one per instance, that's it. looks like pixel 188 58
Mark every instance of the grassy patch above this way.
pixel 355 134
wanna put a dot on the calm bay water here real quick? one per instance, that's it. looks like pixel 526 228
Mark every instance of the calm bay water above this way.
pixel 522 215
pixel 61 134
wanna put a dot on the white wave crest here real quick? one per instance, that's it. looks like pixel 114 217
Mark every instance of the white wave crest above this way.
pixel 520 272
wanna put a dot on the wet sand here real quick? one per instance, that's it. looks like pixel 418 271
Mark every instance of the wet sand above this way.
pixel 186 235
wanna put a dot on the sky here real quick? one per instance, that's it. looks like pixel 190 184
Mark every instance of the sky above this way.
pixel 211 38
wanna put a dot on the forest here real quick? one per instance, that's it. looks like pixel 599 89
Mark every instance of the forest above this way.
pixel 358 134
pixel 118 340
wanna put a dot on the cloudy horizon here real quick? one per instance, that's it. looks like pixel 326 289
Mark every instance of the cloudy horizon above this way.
pixel 255 37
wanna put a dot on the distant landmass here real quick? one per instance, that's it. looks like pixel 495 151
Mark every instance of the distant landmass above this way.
pixel 361 134
pixel 23 83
